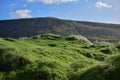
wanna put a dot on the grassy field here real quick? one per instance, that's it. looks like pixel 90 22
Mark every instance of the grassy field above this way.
pixel 52 57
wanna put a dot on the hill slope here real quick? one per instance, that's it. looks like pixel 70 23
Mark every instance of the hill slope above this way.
pixel 34 26
pixel 52 57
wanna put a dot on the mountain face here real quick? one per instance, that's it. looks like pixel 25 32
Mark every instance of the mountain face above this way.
pixel 34 26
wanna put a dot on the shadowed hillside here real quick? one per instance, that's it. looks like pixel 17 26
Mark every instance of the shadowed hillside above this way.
pixel 34 26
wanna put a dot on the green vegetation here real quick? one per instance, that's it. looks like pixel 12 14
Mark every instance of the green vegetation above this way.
pixel 53 57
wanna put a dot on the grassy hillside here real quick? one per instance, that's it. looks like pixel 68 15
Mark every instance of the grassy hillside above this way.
pixel 52 57
pixel 34 26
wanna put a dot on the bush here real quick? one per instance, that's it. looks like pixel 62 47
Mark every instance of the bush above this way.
pixel 114 61
pixel 71 38
pixel 109 50
pixel 92 54
pixel 10 61
pixel 10 39
pixel 78 38
pixel 98 72
pixel 50 37
pixel 110 70
pixel 80 64
pixel 50 70
pixel 2 77
pixel 118 46
pixel 52 45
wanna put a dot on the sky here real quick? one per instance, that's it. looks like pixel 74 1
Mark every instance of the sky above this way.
pixel 107 11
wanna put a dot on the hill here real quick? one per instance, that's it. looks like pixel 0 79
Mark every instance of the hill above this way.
pixel 52 57
pixel 34 26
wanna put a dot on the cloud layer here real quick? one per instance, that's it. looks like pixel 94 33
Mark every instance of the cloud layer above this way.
pixel 52 1
pixel 100 4
pixel 25 13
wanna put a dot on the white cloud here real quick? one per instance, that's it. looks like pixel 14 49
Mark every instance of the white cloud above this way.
pixel 25 13
pixel 52 1
pixel 100 4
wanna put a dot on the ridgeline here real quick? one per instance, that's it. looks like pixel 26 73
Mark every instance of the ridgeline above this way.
pixel 35 26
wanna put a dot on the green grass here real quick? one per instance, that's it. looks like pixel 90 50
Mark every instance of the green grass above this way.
pixel 52 57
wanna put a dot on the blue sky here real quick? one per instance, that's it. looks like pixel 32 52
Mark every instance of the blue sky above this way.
pixel 83 10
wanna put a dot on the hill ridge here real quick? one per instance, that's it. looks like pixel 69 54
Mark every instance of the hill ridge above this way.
pixel 34 26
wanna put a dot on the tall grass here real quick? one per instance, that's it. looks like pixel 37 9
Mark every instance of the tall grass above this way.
pixel 53 57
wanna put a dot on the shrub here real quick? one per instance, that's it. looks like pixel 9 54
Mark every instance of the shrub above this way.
pixel 10 61
pixel 10 39
pixel 98 72
pixel 118 46
pixel 92 54
pixel 80 64
pixel 52 45
pixel 71 38
pixel 2 77
pixel 50 70
pixel 109 50
pixel 110 70
pixel 114 61
pixel 79 38
pixel 50 37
